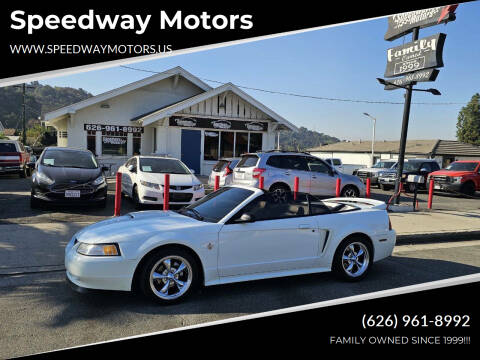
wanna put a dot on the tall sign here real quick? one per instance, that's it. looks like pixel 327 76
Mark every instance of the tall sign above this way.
pixel 415 60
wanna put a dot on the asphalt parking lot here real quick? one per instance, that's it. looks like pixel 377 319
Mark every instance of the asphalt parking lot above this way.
pixel 39 312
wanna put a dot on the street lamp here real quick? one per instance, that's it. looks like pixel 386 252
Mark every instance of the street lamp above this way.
pixel 373 138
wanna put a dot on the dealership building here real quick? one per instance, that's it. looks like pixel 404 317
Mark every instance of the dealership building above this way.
pixel 171 113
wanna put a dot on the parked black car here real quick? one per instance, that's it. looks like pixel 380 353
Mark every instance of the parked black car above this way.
pixel 421 167
pixel 68 176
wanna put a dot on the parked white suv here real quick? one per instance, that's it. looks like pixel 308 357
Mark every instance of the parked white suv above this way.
pixel 143 180
pixel 279 170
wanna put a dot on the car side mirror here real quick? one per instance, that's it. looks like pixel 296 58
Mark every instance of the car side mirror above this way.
pixel 132 168
pixel 246 218
pixel 423 170
pixel 192 171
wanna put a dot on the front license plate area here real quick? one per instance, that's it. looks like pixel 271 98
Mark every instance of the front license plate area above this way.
pixel 72 193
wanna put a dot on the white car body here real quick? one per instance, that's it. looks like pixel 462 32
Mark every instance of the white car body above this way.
pixel 184 188
pixel 227 252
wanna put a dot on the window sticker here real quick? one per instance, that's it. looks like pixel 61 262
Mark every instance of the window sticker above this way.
pixel 49 161
pixel 146 168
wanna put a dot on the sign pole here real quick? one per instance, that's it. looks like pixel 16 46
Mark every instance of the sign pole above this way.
pixel 403 138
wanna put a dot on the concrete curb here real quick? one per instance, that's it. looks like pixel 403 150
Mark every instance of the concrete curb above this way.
pixel 438 237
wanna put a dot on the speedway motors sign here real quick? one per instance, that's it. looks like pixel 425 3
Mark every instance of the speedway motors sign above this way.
pixel 422 54
pixel 401 24
pixel 220 124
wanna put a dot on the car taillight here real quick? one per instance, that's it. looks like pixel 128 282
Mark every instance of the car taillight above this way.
pixel 257 172
pixel 227 170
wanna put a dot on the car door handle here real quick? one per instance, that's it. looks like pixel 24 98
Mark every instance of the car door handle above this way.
pixel 304 226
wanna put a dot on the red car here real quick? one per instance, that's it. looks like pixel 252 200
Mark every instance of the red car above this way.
pixel 458 177
pixel 14 158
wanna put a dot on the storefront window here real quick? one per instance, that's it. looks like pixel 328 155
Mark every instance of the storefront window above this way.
pixel 241 143
pixel 210 145
pixel 255 142
pixel 226 144
pixel 91 141
pixel 114 143
pixel 137 143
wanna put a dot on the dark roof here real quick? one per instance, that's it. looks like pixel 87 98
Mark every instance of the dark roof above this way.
pixel 449 147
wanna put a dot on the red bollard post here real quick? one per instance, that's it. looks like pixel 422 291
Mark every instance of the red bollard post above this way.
pixel 400 187
pixel 295 187
pixel 118 194
pixel 337 187
pixel 367 194
pixel 260 182
pixel 217 183
pixel 430 193
pixel 166 192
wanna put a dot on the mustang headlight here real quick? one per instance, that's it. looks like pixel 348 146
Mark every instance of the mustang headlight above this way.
pixel 43 179
pixel 99 181
pixel 150 185
pixel 197 187
pixel 98 249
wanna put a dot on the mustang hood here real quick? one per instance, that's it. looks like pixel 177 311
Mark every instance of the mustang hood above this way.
pixel 135 225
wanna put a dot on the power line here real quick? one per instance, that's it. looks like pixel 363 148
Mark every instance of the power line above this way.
pixel 306 96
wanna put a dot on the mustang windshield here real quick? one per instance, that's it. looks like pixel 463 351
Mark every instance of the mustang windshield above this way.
pixel 164 166
pixel 462 166
pixel 69 158
pixel 214 206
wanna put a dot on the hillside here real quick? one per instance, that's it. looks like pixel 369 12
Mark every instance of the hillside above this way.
pixel 39 100
pixel 304 139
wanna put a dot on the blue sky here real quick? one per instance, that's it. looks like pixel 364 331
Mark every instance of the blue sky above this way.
pixel 338 62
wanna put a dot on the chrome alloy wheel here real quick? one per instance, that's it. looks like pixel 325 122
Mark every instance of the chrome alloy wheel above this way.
pixel 355 259
pixel 279 195
pixel 171 277
pixel 350 192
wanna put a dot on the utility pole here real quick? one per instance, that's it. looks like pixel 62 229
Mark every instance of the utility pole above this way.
pixel 24 120
pixel 403 136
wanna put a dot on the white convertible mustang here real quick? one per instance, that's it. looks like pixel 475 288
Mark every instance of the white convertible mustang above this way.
pixel 237 233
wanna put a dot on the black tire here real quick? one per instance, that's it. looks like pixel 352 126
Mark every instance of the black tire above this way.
pixel 409 187
pixel 103 204
pixel 23 173
pixel 135 199
pixel 190 276
pixel 339 264
pixel 468 188
pixel 34 202
pixel 350 191
pixel 280 191
pixel 385 187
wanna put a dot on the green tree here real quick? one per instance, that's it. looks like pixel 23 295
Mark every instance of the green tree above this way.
pixel 468 124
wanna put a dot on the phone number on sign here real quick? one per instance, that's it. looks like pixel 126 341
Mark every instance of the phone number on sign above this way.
pixel 117 128
pixel 413 321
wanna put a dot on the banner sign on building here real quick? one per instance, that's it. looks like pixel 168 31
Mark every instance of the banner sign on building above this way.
pixel 417 55
pixel 421 75
pixel 220 124
pixel 401 24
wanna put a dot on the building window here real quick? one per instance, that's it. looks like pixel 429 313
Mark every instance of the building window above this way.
pixel 241 143
pixel 91 141
pixel 210 145
pixel 226 143
pixel 255 142
pixel 114 143
pixel 137 143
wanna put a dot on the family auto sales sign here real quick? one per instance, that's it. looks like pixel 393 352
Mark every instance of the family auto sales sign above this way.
pixel 417 55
